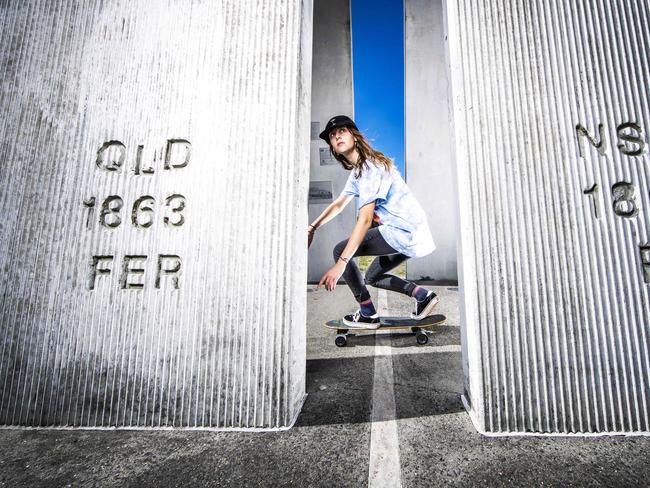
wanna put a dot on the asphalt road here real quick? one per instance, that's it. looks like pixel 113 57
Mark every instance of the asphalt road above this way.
pixel 382 411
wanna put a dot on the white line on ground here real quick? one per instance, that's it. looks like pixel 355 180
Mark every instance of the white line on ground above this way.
pixel 394 352
pixel 384 469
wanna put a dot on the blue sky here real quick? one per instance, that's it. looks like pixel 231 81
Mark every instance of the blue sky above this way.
pixel 378 64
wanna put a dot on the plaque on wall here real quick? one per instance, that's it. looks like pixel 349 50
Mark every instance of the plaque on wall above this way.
pixel 326 157
pixel 315 130
pixel 320 192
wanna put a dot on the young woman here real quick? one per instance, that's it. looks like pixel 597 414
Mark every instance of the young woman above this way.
pixel 402 231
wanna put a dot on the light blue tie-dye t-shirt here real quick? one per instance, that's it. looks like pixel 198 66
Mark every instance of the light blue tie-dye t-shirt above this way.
pixel 403 223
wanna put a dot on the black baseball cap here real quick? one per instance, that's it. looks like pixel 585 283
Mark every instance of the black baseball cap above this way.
pixel 336 121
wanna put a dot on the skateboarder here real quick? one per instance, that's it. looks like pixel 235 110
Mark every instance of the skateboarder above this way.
pixel 401 230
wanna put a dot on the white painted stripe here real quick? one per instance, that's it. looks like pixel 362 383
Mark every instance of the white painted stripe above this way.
pixel 384 466
pixel 395 352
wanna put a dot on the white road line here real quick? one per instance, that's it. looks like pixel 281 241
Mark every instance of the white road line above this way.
pixel 384 469
pixel 395 352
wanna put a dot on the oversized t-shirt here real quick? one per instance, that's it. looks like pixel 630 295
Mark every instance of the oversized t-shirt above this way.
pixel 403 223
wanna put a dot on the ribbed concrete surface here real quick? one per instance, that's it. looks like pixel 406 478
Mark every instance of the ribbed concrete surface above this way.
pixel 211 334
pixel 556 300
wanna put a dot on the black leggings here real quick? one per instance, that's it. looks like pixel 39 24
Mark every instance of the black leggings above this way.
pixel 373 244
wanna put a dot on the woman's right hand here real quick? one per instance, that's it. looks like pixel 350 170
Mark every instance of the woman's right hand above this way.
pixel 310 237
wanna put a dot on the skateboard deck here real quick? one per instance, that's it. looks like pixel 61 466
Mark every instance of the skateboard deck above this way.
pixel 419 327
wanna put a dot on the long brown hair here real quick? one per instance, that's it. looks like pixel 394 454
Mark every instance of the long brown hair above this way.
pixel 366 152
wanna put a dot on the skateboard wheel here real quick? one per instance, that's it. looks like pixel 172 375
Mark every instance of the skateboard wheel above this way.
pixel 422 338
pixel 340 341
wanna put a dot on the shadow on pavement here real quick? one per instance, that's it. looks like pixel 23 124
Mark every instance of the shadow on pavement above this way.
pixel 340 389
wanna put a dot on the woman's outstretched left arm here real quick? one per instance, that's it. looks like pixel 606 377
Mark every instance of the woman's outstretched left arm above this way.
pixel 364 221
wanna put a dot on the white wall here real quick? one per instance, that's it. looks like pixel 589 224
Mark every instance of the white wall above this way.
pixel 428 162
pixel 332 94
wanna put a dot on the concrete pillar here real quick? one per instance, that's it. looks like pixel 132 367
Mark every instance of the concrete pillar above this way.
pixel 332 94
pixel 428 163
pixel 152 252
pixel 551 119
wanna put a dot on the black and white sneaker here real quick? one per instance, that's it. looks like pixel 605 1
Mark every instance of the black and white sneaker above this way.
pixel 358 321
pixel 425 307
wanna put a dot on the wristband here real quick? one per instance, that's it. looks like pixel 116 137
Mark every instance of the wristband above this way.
pixel 345 260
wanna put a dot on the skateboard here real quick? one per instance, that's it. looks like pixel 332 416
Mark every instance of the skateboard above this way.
pixel 389 323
